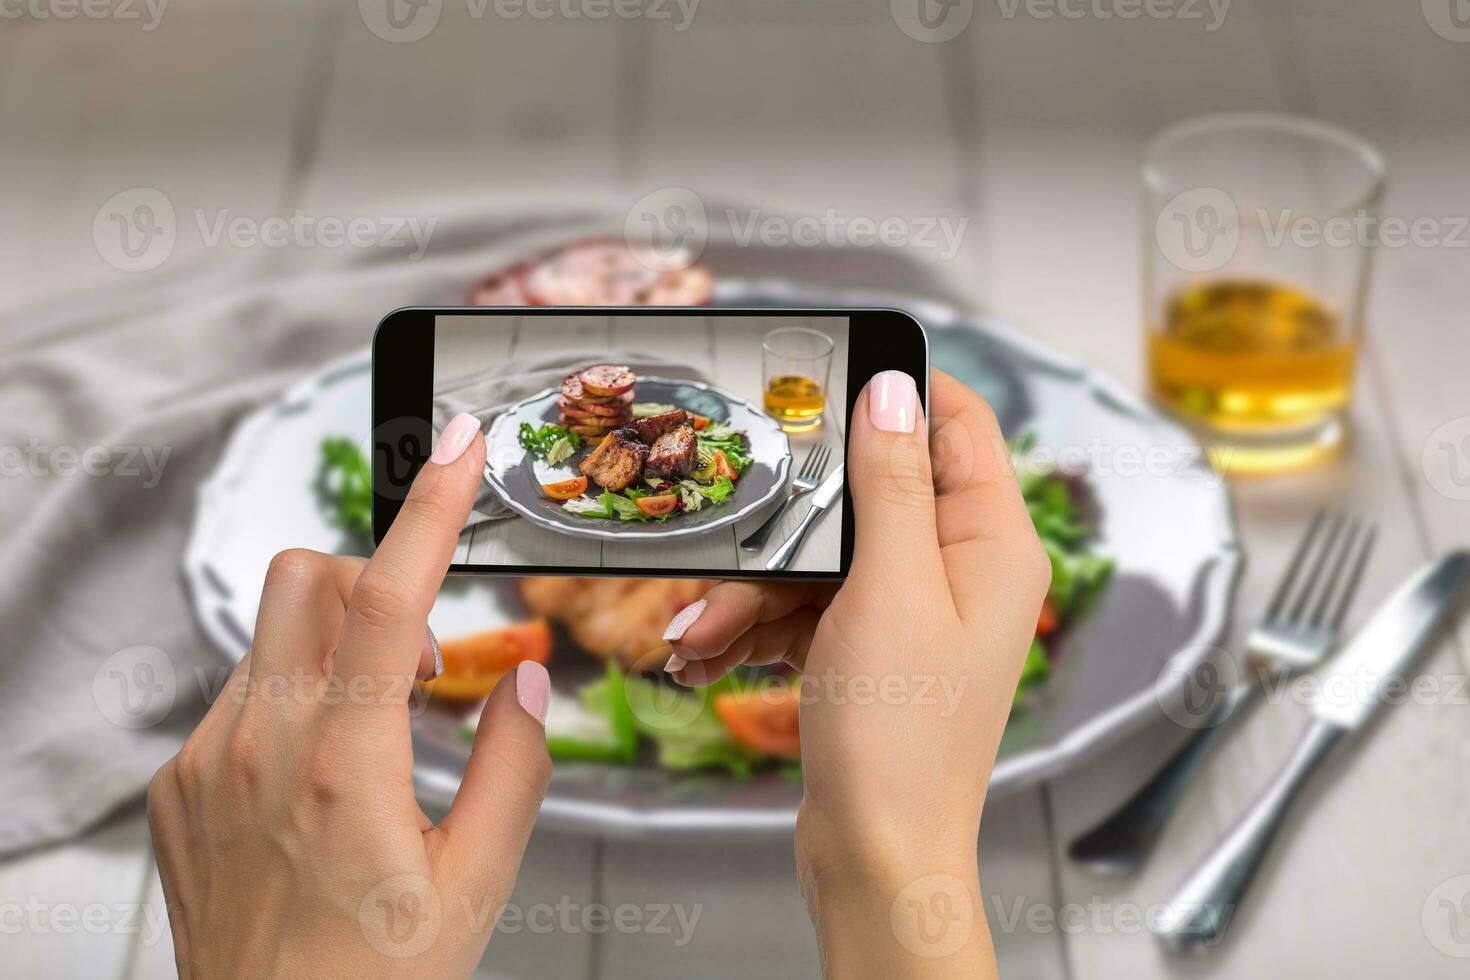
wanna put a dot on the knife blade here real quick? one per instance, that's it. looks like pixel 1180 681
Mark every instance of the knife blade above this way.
pixel 1352 686
pixel 1354 681
pixel 822 498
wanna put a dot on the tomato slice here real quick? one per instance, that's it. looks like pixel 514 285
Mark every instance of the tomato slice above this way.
pixel 658 505
pixel 474 663
pixel 766 720
pixel 723 466
pixel 565 489
pixel 1047 622
pixel 701 422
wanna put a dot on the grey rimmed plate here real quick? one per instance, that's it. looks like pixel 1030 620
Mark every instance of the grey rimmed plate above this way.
pixel 516 475
pixel 1167 526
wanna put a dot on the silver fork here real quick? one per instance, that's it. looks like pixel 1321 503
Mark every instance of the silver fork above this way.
pixel 1302 623
pixel 806 481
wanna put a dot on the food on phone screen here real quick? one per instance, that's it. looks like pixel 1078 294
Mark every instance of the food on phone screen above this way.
pixel 617 461
pixel 672 454
pixel 658 505
pixel 552 443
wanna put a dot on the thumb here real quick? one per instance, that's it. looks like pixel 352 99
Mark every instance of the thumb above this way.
pixel 889 475
pixel 485 833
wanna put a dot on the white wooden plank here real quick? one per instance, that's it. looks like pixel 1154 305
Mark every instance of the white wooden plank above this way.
pixel 481 107
pixel 793 116
pixel 199 108
pixel 74 909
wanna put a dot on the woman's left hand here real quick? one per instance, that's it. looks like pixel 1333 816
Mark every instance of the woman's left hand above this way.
pixel 288 835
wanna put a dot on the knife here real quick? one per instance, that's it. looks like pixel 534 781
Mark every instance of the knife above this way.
pixel 822 497
pixel 1352 686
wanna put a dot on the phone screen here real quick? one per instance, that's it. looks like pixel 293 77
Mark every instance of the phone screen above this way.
pixel 653 443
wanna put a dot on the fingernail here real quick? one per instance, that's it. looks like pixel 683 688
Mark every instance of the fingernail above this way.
pixel 533 689
pixel 676 663
pixel 681 623
pixel 438 654
pixel 892 401
pixel 455 438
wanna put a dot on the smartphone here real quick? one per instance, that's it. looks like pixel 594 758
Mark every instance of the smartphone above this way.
pixel 641 441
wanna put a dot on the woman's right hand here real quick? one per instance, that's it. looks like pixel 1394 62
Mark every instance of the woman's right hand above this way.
pixel 909 670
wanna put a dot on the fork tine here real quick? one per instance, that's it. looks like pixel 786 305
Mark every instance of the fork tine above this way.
pixel 1288 581
pixel 822 466
pixel 810 463
pixel 1341 562
pixel 1354 579
pixel 1320 564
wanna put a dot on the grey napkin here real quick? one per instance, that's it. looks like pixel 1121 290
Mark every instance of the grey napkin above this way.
pixel 488 393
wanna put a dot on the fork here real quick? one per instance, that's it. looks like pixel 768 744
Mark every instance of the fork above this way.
pixel 812 470
pixel 1302 623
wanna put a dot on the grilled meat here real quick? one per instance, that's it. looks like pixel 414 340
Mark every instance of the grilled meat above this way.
pixel 617 461
pixel 673 454
pixel 649 429
pixel 614 617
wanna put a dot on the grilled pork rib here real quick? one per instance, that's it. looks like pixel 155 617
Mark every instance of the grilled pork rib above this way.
pixel 649 429
pixel 673 453
pixel 617 461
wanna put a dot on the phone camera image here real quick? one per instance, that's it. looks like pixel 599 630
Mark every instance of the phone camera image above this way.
pixel 684 444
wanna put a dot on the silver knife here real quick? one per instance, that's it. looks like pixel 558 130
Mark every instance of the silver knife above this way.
pixel 1351 687
pixel 822 498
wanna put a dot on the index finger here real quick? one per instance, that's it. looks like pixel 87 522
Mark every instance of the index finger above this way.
pixel 389 606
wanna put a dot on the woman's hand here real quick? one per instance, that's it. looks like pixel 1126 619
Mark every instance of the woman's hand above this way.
pixel 288 836
pixel 909 670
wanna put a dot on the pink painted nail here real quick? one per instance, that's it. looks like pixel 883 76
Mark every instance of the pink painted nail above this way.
pixel 892 401
pixel 438 654
pixel 533 689
pixel 676 663
pixel 681 623
pixel 455 438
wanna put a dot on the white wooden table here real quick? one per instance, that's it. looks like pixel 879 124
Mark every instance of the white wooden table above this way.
pixel 726 351
pixel 1029 126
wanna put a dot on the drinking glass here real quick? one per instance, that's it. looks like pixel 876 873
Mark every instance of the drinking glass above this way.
pixel 1258 240
pixel 797 366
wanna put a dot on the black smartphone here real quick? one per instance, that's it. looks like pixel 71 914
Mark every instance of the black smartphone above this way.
pixel 687 442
